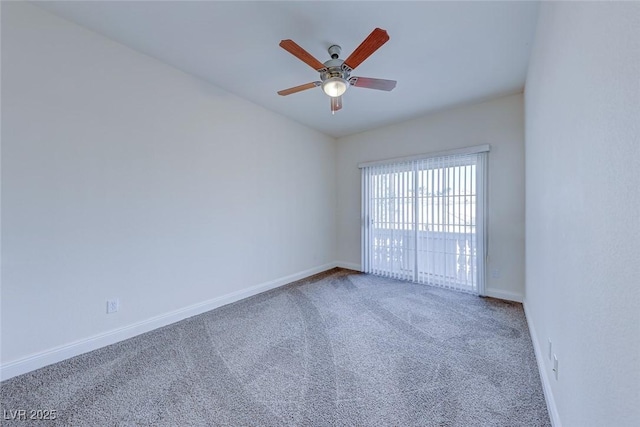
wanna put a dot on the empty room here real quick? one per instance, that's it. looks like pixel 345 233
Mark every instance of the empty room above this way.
pixel 318 213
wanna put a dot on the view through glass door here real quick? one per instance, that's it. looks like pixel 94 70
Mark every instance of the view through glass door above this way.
pixel 423 220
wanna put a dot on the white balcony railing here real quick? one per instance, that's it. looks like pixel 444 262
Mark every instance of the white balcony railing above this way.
pixel 443 258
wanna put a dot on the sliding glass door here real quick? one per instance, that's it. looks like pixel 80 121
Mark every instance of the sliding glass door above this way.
pixel 423 220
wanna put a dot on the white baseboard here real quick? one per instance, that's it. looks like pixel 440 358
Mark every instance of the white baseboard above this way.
pixel 494 293
pixel 506 295
pixel 546 387
pixel 348 265
pixel 65 351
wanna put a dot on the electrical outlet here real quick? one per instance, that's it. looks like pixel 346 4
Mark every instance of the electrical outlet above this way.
pixel 555 366
pixel 550 353
pixel 496 273
pixel 113 305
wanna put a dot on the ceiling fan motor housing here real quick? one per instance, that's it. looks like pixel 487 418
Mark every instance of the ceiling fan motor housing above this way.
pixel 334 69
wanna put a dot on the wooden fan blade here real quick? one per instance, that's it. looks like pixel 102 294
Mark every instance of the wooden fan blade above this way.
pixel 294 49
pixel 370 83
pixel 377 38
pixel 336 104
pixel 300 88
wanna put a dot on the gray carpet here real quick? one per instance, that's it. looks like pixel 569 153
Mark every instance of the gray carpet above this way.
pixel 340 348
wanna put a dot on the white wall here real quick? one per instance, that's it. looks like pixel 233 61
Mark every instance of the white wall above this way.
pixel 583 207
pixel 498 122
pixel 123 177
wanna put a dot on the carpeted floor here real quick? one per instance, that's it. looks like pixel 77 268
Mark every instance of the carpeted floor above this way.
pixel 340 348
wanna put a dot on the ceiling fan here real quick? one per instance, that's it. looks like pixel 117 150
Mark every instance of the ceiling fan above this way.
pixel 335 74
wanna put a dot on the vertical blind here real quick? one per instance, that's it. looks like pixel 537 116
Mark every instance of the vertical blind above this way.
pixel 423 219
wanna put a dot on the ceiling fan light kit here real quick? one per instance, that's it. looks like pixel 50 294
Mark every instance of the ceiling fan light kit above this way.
pixel 335 74
pixel 335 86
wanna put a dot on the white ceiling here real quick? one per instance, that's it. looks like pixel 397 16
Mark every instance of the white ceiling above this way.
pixel 441 53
